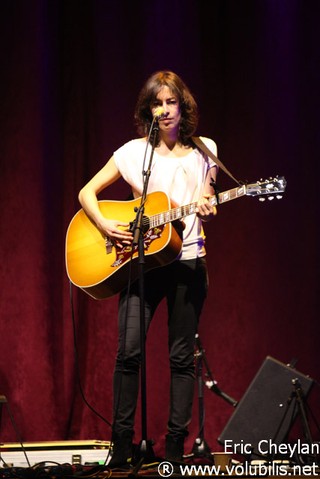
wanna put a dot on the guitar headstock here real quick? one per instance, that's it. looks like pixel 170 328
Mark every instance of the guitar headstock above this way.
pixel 267 189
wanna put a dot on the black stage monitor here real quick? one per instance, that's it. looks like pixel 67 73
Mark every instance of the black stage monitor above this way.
pixel 267 409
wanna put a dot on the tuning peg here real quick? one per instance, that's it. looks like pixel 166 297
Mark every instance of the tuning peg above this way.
pixel 279 197
pixel 262 198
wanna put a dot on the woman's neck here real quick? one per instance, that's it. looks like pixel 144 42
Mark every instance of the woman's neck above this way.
pixel 170 146
pixel 168 140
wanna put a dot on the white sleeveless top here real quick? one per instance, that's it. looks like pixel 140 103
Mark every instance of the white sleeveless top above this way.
pixel 182 179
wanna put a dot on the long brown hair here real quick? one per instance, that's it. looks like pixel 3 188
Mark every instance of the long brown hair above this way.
pixel 187 103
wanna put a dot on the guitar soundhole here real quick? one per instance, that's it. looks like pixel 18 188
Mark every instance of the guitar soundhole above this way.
pixel 124 253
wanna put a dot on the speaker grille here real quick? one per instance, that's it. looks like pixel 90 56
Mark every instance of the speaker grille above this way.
pixel 265 412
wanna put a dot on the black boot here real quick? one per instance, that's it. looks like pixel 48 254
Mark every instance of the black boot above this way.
pixel 122 450
pixel 174 448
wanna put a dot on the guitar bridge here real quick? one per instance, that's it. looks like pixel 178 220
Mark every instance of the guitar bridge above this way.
pixel 124 253
pixel 109 245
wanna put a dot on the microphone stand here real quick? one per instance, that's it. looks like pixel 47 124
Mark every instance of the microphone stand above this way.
pixel 200 447
pixel 145 447
pixel 211 383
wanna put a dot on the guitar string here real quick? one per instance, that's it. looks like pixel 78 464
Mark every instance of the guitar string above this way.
pixel 185 210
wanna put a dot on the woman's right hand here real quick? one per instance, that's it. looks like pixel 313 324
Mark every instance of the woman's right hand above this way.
pixel 117 232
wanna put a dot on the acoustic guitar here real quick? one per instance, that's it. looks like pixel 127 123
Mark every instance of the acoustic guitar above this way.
pixel 102 271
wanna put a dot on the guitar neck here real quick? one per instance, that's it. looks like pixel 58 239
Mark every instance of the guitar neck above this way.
pixel 186 210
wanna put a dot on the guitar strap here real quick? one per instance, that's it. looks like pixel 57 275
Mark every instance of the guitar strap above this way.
pixel 203 147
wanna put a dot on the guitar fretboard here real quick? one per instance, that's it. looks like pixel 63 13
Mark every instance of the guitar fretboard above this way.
pixel 186 210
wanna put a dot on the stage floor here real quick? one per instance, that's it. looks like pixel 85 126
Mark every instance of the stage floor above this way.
pixel 89 459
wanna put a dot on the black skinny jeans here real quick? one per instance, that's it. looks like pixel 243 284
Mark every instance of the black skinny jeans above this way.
pixel 184 285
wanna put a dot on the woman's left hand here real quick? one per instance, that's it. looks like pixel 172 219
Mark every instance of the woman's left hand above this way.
pixel 205 210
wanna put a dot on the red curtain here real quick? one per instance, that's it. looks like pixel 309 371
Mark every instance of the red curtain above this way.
pixel 70 75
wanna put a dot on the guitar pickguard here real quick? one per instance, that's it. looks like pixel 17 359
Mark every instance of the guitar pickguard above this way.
pixel 124 253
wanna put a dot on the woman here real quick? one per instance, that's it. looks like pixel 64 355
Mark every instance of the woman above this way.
pixel 185 174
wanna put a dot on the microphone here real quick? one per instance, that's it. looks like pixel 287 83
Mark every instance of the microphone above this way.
pixel 159 113
pixel 213 386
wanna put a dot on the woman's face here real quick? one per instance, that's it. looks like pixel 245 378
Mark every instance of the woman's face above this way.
pixel 170 104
